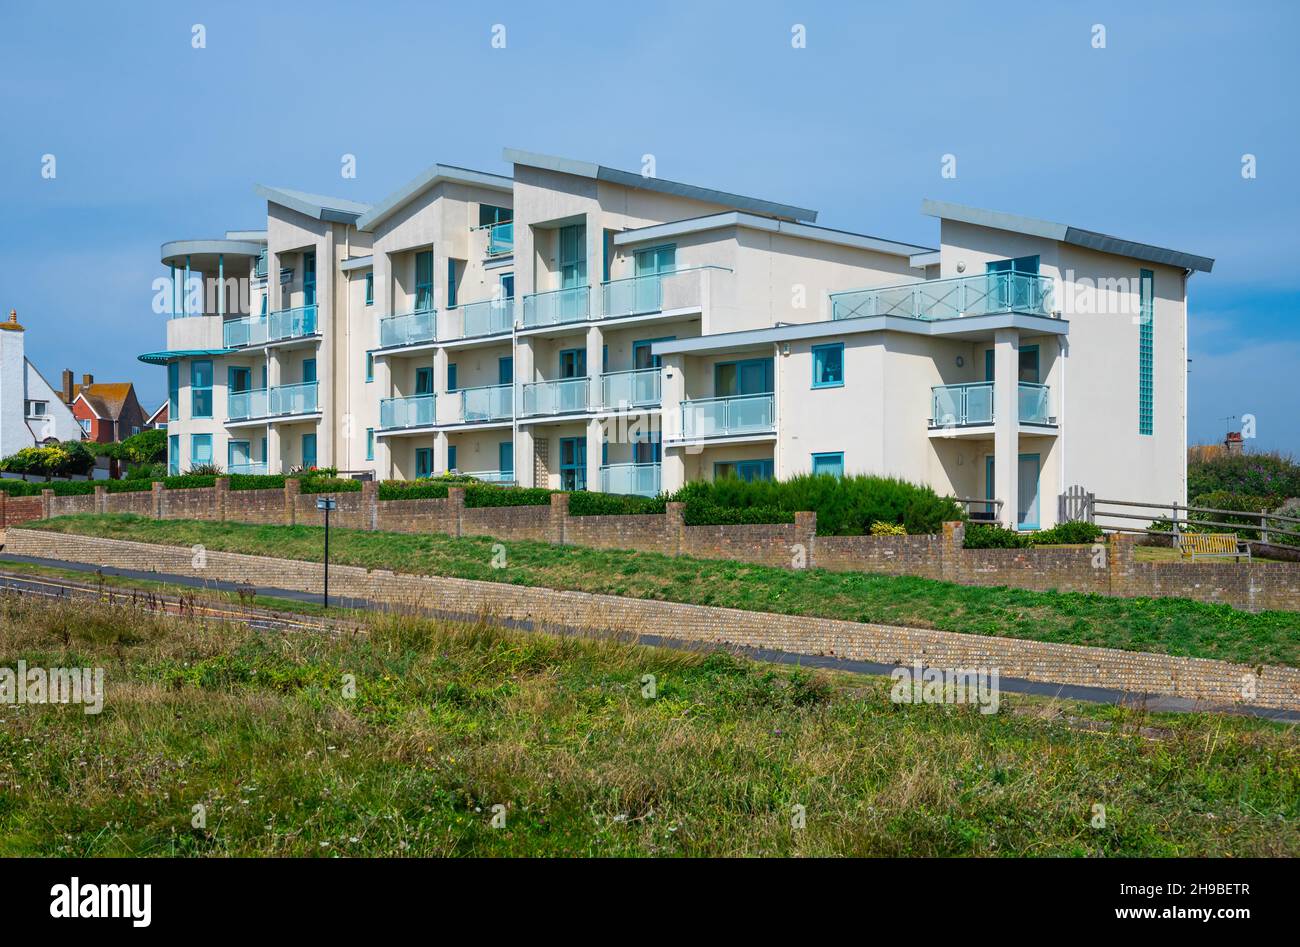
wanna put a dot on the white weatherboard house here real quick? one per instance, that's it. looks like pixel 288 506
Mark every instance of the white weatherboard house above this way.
pixel 31 411
pixel 580 327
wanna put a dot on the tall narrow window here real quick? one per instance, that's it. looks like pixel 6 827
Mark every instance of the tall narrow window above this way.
pixel 423 280
pixel 173 391
pixel 424 461
pixel 370 366
pixel 451 457
pixel 573 463
pixel 1146 393
pixel 201 389
pixel 451 283
pixel 370 289
pixel 370 443
pixel 573 256
pixel 309 279
pixel 173 454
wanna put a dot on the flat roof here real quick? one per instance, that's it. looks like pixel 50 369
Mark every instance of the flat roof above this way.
pixel 739 219
pixel 204 254
pixel 337 210
pixel 426 179
pixel 1091 239
pixel 599 172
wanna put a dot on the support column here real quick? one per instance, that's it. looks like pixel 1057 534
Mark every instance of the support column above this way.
pixel 595 443
pixel 445 403
pixel 274 455
pixel 1006 423
pixel 595 365
pixel 383 450
pixel 525 371
pixel 672 474
pixel 524 463
pixel 440 451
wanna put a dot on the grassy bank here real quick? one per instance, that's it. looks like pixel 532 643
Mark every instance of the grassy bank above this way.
pixel 1171 626
pixel 448 722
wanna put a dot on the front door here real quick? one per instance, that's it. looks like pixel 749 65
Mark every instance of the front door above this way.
pixel 424 462
pixel 573 463
pixel 506 459
pixel 308 451
pixel 1028 515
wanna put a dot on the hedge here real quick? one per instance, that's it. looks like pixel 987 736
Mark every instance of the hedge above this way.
pixel 706 514
pixel 329 485
pixel 484 496
pixel 412 490
pixel 613 504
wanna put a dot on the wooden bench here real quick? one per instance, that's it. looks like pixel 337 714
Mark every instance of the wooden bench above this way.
pixel 1208 545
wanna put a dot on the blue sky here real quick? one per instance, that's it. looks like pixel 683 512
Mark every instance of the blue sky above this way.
pixel 156 140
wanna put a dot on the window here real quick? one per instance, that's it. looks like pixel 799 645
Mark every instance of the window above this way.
pixel 173 390
pixel 309 451
pixel 260 270
pixel 573 463
pixel 747 470
pixel 489 214
pixel 451 457
pixel 1028 364
pixel 1146 331
pixel 507 285
pixel 451 283
pixel 36 409
pixel 751 377
pixel 573 363
pixel 239 378
pixel 309 279
pixel 308 370
pixel 506 457
pixel 370 366
pixel 424 381
pixel 173 454
pixel 424 461
pixel 238 456
pixel 830 464
pixel 370 289
pixel 200 449
pixel 423 280
pixel 573 256
pixel 506 370
pixel 85 425
pixel 201 389
pixel 828 365
pixel 451 376
pixel 370 443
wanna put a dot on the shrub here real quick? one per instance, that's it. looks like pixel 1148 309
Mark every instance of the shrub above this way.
pixel 188 481
pixel 328 485
pixel 697 513
pixel 887 529
pixel 584 503
pixel 484 495
pixel 70 458
pixel 257 482
pixel 205 470
pixel 147 447
pixel 1067 534
pixel 1247 474
pixel 988 536
pixel 128 486
pixel 427 488
pixel 147 472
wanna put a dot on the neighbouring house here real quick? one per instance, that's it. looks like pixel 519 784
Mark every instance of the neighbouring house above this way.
pixel 31 411
pixel 158 419
pixel 106 411
pixel 580 327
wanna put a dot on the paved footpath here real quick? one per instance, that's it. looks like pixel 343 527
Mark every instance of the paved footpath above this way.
pixel 1097 695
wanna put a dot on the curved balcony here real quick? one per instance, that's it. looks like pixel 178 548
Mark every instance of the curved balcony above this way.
pixel 279 326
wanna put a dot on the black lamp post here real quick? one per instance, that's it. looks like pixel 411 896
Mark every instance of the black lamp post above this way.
pixel 325 504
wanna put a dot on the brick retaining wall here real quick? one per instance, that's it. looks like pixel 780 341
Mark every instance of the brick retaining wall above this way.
pixel 1216 682
pixel 1107 570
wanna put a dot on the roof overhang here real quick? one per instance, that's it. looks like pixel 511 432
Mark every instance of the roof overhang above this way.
pixel 586 169
pixel 760 339
pixel 206 255
pixel 162 358
pixel 1063 233
pixel 430 176
pixel 733 218
pixel 336 210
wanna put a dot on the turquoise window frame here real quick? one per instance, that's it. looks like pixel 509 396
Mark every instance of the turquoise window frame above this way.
pixel 1038 493
pixel 173 454
pixel 831 463
pixel 451 283
pixel 423 281
pixel 308 370
pixel 424 380
pixel 265 459
pixel 490 214
pixel 197 441
pixel 173 391
pixel 747 470
pixel 507 283
pixel 423 462
pixel 200 392
pixel 370 443
pixel 572 256
pixel 309 456
pixel 769 374
pixel 309 279
pixel 652 360
pixel 506 370
pixel 453 376
pixel 370 367
pixel 230 452
pixel 654 261
pixel 451 457
pixel 234 373
pixel 506 457
pixel 989 371
pixel 370 289
pixel 819 365
pixel 579 358
pixel 1146 354
pixel 574 470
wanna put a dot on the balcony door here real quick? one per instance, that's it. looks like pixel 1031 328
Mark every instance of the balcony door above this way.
pixel 238 456
pixel 1028 500
pixel 1004 290
pixel 649 266
pixel 750 377
pixel 573 256
pixel 309 279
pixel 239 379
pixel 308 451
pixel 424 281
pixel 573 463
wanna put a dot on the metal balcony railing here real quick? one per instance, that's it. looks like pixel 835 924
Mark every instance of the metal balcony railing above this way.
pixel 557 307
pixel 737 414
pixel 486 403
pixel 411 328
pixel 637 389
pixel 415 411
pixel 972 403
pixel 931 300
pixel 631 479
pixel 278 326
pixel 566 396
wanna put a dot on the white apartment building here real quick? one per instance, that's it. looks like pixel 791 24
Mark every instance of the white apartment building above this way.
pixel 31 410
pixel 580 327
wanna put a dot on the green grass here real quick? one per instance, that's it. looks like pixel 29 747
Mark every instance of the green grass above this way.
pixel 449 721
pixel 1165 625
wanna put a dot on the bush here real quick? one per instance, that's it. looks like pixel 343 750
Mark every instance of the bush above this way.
pixel 70 458
pixel 147 447
pixel 484 495
pixel 256 482
pixel 1225 500
pixel 328 485
pixel 1067 534
pixel 423 489
pixel 887 529
pixel 205 470
pixel 147 472
pixel 1258 475
pixel 189 481
pixel 987 536
pixel 584 503
pixel 706 514
pixel 845 506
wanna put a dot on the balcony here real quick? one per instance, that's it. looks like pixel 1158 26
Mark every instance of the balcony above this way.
pixel 488 403
pixel 567 396
pixel 398 413
pixel 656 292
pixel 558 307
pixel 932 300
pixel 635 389
pixel 256 469
pixel 279 326
pixel 489 317
pixel 279 401
pixel 501 239
pixel 728 417
pixel 630 479
pixel 971 404
pixel 492 476
pixel 412 328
